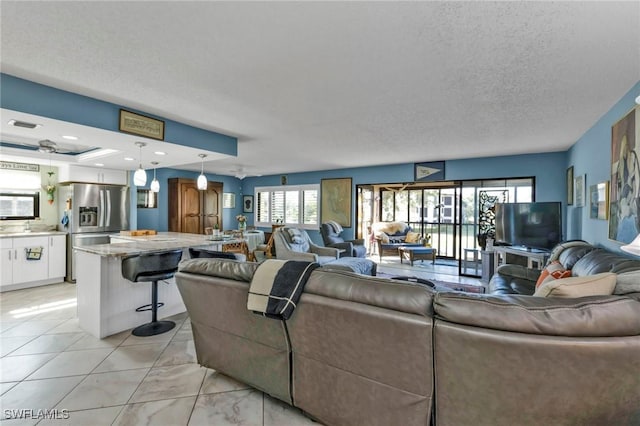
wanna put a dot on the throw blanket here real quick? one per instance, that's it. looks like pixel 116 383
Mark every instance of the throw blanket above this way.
pixel 277 285
pixel 337 228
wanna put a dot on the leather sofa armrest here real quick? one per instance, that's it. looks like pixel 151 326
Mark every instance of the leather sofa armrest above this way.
pixel 594 316
pixel 518 271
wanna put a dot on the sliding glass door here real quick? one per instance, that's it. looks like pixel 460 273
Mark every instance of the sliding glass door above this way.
pixel 451 213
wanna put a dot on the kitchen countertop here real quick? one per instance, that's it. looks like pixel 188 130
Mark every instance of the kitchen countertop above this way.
pixel 148 244
pixel 18 234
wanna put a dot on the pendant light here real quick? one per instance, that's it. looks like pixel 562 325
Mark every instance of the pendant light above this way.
pixel 155 185
pixel 202 179
pixel 140 176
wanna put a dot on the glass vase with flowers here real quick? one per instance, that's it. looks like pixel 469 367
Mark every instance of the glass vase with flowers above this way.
pixel 242 222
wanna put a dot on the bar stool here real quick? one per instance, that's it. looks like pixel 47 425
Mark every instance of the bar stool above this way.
pixel 152 267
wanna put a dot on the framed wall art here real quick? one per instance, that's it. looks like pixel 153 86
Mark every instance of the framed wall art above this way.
pixel 335 201
pixel 429 172
pixel 599 201
pixel 247 204
pixel 228 200
pixel 137 124
pixel 581 190
pixel 624 187
pixel 570 186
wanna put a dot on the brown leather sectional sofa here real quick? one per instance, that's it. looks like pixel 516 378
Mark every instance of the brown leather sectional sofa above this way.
pixel 362 350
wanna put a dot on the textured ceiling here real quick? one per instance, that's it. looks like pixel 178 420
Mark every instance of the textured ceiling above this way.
pixel 324 85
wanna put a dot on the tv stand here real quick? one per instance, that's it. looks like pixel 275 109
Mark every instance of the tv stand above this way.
pixel 535 257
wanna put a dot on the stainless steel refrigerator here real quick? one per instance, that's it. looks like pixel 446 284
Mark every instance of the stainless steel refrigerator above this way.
pixel 90 214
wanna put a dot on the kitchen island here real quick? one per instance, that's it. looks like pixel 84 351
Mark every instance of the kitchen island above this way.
pixel 107 302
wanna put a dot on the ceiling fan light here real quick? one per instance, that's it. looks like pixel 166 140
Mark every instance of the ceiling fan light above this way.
pixel 140 177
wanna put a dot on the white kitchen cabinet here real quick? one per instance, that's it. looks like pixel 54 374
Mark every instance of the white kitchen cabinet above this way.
pixel 57 256
pixel 18 271
pixel 72 173
pixel 6 261
pixel 25 269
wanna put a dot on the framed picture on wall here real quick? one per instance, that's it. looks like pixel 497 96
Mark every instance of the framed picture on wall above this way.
pixel 247 204
pixel 581 190
pixel 335 199
pixel 228 200
pixel 624 187
pixel 599 201
pixel 570 186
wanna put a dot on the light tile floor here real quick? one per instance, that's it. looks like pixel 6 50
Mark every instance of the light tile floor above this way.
pixel 48 362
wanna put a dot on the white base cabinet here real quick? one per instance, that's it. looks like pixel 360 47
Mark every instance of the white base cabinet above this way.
pixel 32 261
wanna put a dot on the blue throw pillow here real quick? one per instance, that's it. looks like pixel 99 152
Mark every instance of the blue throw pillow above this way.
pixel 296 236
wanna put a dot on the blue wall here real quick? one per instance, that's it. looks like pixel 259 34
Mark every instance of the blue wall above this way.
pixel 591 156
pixel 33 98
pixel 158 218
pixel 548 169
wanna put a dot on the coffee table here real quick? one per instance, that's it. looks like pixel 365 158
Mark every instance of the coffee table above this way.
pixel 417 253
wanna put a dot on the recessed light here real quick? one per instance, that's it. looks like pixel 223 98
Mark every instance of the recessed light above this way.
pixel 128 159
pixel 160 153
pixel 69 137
pixel 99 164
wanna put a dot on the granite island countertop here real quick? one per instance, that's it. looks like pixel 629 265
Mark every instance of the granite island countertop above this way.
pixel 148 244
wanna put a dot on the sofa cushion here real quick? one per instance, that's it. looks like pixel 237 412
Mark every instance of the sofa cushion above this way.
pixel 551 272
pixel 594 316
pixel 412 237
pixel 573 254
pixel 592 285
pixel 601 260
pixel 628 283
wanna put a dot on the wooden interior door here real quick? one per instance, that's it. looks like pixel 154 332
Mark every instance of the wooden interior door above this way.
pixel 191 207
pixel 212 205
pixel 192 210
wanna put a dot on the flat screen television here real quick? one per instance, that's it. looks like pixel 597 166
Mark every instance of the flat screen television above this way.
pixel 529 225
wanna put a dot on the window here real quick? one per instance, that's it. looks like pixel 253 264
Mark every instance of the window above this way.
pixel 19 205
pixel 294 205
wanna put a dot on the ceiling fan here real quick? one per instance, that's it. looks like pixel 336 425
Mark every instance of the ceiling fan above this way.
pixel 50 147
pixel 241 173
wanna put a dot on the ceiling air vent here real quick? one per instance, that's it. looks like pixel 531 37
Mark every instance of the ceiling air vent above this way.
pixel 24 124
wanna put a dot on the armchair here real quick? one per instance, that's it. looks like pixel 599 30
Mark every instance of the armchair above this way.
pixel 295 244
pixel 331 231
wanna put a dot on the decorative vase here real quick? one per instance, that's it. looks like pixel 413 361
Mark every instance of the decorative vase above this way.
pixel 242 226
